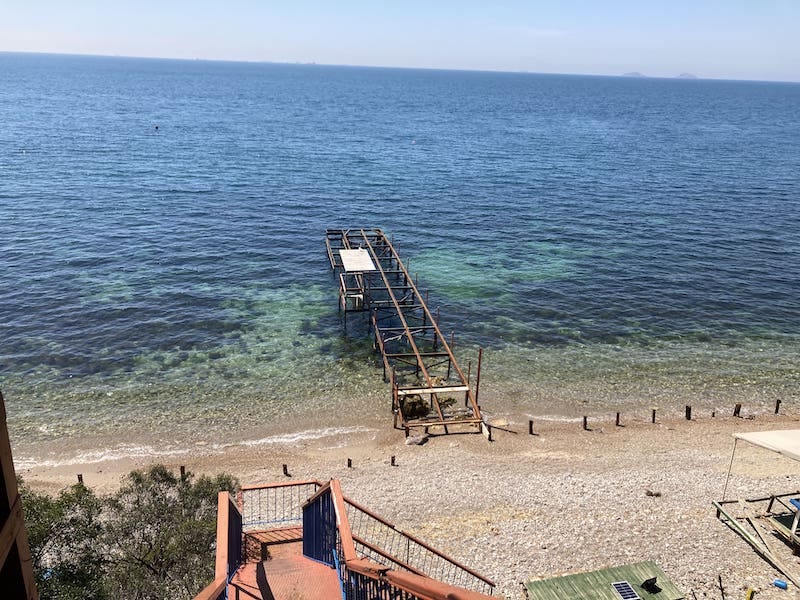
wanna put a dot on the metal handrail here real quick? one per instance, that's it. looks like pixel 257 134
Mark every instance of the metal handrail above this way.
pixel 360 571
pixel 272 504
pixel 428 560
pixel 363 563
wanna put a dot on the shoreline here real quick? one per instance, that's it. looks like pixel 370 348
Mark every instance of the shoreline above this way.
pixel 98 453
pixel 528 506
pixel 337 388
pixel 170 429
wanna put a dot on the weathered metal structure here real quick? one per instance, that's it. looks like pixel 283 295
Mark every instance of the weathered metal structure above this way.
pixel 776 516
pixel 429 388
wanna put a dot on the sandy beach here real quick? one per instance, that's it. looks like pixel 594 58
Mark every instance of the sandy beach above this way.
pixel 524 506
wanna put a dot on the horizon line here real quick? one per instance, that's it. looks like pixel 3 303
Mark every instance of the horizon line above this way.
pixel 627 75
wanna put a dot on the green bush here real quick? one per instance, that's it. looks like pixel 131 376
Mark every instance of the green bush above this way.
pixel 154 538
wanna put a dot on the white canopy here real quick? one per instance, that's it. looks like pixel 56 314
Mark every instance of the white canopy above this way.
pixel 785 441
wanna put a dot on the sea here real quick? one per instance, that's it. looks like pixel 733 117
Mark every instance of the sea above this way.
pixel 611 243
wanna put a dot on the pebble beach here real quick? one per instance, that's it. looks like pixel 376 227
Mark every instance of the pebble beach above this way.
pixel 530 506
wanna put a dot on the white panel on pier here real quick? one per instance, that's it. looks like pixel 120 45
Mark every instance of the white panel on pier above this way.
pixel 357 260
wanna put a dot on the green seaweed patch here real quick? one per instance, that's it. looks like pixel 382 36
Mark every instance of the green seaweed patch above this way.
pixel 275 339
pixel 106 291
pixel 463 276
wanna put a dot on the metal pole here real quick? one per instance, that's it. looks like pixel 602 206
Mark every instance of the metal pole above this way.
pixel 478 375
pixel 730 466
pixel 436 338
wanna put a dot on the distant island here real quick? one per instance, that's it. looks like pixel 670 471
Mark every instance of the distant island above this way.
pixel 681 76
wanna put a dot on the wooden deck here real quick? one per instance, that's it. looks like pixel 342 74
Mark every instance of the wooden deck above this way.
pixel 285 575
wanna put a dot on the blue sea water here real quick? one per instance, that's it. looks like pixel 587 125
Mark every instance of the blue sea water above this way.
pixel 610 242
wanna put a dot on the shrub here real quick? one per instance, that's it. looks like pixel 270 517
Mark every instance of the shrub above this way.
pixel 153 538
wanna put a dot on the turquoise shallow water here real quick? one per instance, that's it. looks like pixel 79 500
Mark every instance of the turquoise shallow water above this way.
pixel 612 243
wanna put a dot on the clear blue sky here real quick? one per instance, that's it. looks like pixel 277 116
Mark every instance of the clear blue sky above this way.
pixel 736 39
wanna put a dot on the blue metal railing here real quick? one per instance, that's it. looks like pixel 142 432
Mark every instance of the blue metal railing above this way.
pixel 362 587
pixel 234 539
pixel 324 530
pixel 319 529
pixel 372 558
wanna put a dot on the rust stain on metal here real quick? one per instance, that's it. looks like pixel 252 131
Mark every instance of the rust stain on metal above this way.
pixel 429 389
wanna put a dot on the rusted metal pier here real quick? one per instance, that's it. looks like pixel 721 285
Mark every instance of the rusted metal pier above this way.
pixel 429 389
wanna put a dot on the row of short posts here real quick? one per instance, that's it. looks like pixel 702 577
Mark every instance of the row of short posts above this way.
pixel 737 410
pixel 392 462
pixel 182 469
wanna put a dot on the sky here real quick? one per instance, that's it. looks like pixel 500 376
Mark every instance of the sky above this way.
pixel 730 39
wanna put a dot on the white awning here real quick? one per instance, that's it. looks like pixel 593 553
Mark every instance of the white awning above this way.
pixel 356 260
pixel 784 441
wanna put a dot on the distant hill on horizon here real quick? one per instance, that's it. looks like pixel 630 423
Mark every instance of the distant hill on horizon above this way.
pixel 642 75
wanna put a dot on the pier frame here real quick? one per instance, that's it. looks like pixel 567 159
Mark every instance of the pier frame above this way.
pixel 429 388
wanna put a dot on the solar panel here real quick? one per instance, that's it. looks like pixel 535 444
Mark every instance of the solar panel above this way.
pixel 625 591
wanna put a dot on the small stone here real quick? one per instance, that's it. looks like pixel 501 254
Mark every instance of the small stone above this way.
pixel 416 440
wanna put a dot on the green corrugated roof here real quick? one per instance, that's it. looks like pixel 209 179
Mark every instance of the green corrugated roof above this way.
pixel 596 585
